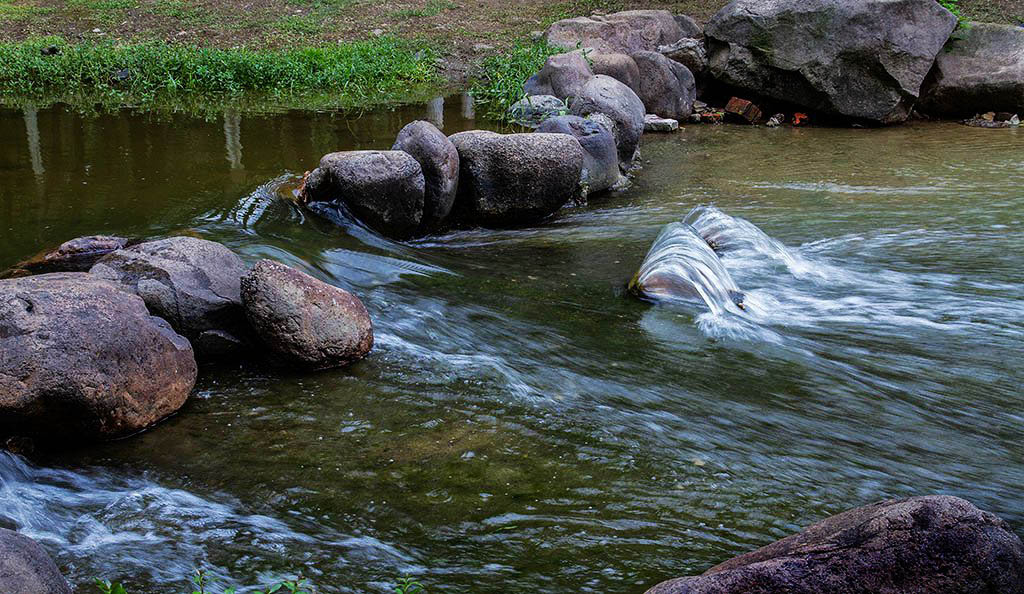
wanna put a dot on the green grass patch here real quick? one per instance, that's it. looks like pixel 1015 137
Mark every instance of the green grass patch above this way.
pixel 370 72
pixel 433 8
pixel 19 12
pixel 301 24
pixel 500 82
pixel 184 12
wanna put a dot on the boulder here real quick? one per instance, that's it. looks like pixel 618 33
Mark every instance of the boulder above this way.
pixel 603 94
pixel 689 27
pixel 82 359
pixel 305 321
pixel 980 69
pixel 513 179
pixel 653 123
pixel 667 88
pixel 531 110
pixel 563 75
pixel 618 66
pixel 383 189
pixel 627 32
pixel 919 545
pixel 75 255
pixel 600 157
pixel 439 162
pixel 862 60
pixel 190 282
pixel 25 568
pixel 689 52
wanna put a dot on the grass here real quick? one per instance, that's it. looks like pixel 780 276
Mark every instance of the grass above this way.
pixel 501 78
pixel 433 8
pixel 365 72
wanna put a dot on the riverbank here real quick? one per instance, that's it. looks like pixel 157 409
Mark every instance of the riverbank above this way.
pixel 315 54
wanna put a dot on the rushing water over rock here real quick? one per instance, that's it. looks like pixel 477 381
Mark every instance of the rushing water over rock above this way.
pixel 681 266
pixel 521 425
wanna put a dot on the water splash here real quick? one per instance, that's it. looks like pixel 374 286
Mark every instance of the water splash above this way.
pixel 741 239
pixel 681 266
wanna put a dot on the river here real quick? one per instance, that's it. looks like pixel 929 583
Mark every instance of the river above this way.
pixel 524 423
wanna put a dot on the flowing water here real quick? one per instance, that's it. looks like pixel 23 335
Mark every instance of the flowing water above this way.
pixel 524 424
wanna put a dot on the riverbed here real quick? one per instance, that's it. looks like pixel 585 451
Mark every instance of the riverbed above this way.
pixel 523 423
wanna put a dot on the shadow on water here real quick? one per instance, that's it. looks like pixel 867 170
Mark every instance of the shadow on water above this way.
pixel 524 423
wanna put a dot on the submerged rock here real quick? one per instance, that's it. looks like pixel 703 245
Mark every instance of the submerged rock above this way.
pixel 512 179
pixel 600 158
pixel 190 282
pixel 383 189
pixel 862 60
pixel 628 31
pixel 25 568
pixel 667 88
pixel 80 358
pixel 981 68
pixel 563 75
pixel 918 545
pixel 605 95
pixel 74 255
pixel 532 110
pixel 303 320
pixel 439 162
pixel 681 266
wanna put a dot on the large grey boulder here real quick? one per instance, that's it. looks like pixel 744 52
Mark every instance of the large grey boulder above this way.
pixel 25 568
pixel 858 59
pixel 532 110
pixel 513 179
pixel 74 255
pixel 980 69
pixel 563 75
pixel 627 32
pixel 603 94
pixel 383 189
pixel 80 358
pixel 305 321
pixel 920 545
pixel 439 162
pixel 190 282
pixel 621 67
pixel 600 157
pixel 667 88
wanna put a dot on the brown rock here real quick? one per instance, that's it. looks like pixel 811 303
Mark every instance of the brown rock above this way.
pixel 25 568
pixel 304 320
pixel 81 358
pixel 919 545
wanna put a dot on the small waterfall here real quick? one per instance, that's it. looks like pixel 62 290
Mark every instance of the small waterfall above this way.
pixel 733 236
pixel 681 266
